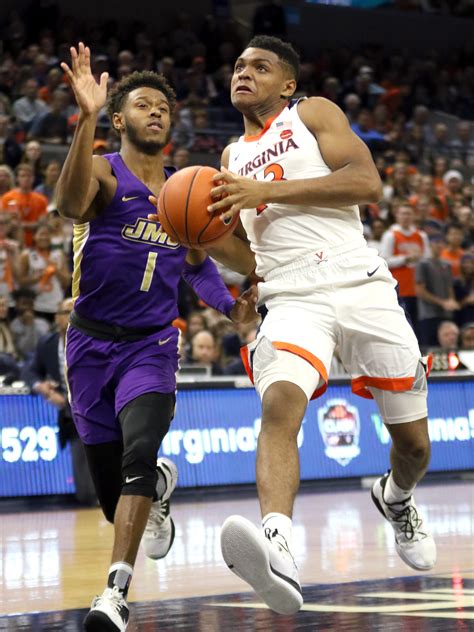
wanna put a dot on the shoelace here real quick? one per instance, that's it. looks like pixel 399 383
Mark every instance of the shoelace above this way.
pixel 114 597
pixel 158 513
pixel 408 518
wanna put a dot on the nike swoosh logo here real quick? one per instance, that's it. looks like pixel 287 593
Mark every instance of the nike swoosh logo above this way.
pixel 127 199
pixel 163 342
pixel 369 274
pixel 130 479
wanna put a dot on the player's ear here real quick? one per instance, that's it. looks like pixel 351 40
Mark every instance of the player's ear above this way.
pixel 289 87
pixel 117 120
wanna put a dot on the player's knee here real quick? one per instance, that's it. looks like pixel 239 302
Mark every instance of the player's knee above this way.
pixel 145 421
pixel 139 473
pixel 283 407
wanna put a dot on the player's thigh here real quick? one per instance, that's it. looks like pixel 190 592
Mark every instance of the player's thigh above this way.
pixel 89 370
pixel 377 345
pixel 294 345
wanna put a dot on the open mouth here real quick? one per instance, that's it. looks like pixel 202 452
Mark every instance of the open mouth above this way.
pixel 243 89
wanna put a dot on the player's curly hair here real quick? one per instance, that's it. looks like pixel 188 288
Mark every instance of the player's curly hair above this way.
pixel 143 79
pixel 284 50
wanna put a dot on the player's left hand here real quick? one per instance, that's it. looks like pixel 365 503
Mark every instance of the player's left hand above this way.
pixel 244 310
pixel 239 192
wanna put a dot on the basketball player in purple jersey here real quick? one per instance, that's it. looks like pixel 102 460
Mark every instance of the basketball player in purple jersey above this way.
pixel 121 350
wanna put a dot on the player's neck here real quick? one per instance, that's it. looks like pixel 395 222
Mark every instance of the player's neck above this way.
pixel 148 169
pixel 256 120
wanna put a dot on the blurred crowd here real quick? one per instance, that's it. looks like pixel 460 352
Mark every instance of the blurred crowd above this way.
pixel 414 112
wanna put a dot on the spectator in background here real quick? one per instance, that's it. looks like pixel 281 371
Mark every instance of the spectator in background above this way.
pixel 10 150
pixel 205 140
pixel 45 375
pixel 352 107
pixel 27 329
pixel 439 168
pixel 462 146
pixel 51 176
pixel 435 292
pixel 453 183
pixel 377 230
pixel 453 252
pixel 426 194
pixel 61 231
pixel 364 130
pixel 8 354
pixel 33 156
pixel 27 107
pixel 467 337
pixel 448 336
pixel 464 290
pixel 438 144
pixel 29 205
pixel 204 351
pixel 180 158
pixel 52 126
pixel 9 257
pixel 403 245
pixel 53 81
pixel 7 180
pixel 45 271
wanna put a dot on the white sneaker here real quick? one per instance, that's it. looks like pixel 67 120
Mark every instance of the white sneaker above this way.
pixel 413 542
pixel 109 612
pixel 159 531
pixel 264 562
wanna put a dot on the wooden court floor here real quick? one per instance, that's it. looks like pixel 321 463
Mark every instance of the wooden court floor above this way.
pixel 55 561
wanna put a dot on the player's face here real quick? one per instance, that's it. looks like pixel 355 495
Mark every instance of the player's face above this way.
pixel 146 120
pixel 259 77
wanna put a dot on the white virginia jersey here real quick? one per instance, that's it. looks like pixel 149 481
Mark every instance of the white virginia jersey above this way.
pixel 280 233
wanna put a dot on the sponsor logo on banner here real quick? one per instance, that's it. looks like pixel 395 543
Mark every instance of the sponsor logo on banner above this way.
pixel 339 426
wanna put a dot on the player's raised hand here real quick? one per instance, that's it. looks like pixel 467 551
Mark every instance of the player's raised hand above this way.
pixel 236 192
pixel 90 95
pixel 244 310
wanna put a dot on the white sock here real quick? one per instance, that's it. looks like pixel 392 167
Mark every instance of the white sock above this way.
pixel 280 523
pixel 393 493
pixel 120 575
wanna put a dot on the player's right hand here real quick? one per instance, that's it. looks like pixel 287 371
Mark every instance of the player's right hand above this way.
pixel 90 95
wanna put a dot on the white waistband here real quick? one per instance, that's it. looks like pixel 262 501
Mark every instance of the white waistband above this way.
pixel 319 255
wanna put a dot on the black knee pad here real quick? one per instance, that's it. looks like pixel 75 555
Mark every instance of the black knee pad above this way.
pixel 145 422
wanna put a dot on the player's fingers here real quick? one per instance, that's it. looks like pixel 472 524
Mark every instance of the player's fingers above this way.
pixel 217 192
pixel 104 77
pixel 153 217
pixel 153 200
pixel 226 217
pixel 74 58
pixel 67 70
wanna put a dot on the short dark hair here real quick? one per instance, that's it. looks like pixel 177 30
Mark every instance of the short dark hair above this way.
pixel 284 50
pixel 143 79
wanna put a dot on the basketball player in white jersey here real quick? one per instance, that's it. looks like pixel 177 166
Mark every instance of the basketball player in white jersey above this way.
pixel 297 176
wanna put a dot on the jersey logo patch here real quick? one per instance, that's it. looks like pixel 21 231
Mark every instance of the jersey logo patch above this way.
pixel 286 133
pixel 128 199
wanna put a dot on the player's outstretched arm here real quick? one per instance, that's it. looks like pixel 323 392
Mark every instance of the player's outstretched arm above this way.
pixel 354 178
pixel 80 177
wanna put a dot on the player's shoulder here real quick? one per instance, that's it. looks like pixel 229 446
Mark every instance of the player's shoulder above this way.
pixel 316 112
pixel 225 156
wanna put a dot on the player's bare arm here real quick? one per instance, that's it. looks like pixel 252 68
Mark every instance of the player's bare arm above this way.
pixel 354 178
pixel 82 175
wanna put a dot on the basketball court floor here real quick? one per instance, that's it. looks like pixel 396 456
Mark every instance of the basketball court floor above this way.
pixel 53 562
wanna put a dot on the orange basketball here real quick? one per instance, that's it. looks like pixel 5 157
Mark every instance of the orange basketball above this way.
pixel 182 208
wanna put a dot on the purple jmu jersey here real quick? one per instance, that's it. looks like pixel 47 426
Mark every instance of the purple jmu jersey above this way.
pixel 126 269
